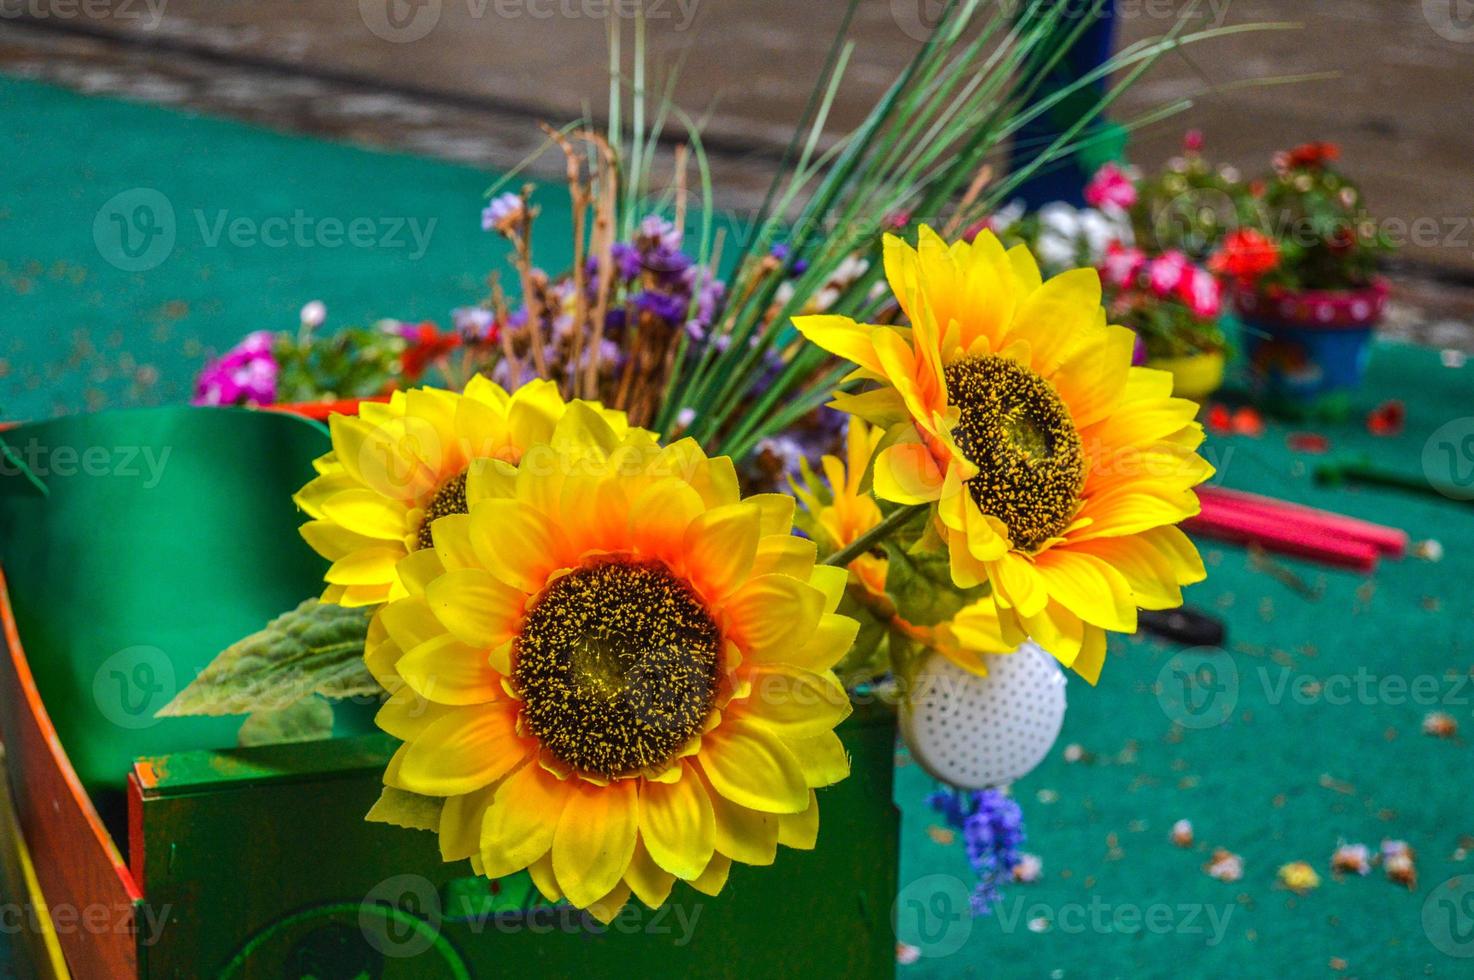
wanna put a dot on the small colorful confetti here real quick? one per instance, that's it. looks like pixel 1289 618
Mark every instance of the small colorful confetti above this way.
pixel 1430 550
pixel 1225 865
pixel 1220 419
pixel 1308 442
pixel 1182 833
pixel 940 834
pixel 1248 422
pixel 906 954
pixel 1299 877
pixel 1440 724
pixel 1397 860
pixel 1387 419
pixel 1352 859
pixel 1030 868
pixel 1074 752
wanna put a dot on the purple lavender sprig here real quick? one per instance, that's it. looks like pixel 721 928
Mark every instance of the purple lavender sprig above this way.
pixel 992 828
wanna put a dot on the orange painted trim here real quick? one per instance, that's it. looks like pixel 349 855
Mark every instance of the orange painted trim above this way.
pixel 321 410
pixel 77 862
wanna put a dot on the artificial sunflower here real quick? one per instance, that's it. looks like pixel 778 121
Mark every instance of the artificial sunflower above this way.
pixel 843 512
pixel 614 671
pixel 1056 471
pixel 398 466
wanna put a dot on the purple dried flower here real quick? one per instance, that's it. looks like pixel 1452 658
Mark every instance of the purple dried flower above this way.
pixel 503 214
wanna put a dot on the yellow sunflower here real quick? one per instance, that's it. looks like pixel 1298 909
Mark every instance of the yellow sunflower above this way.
pixel 398 466
pixel 1056 470
pixel 615 671
pixel 848 513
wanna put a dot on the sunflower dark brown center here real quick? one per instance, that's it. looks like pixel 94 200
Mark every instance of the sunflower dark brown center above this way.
pixel 617 666
pixel 449 499
pixel 1017 431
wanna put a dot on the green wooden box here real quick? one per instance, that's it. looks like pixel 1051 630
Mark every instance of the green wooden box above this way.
pixel 257 862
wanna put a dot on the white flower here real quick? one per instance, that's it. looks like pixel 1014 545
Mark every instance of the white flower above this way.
pixel 313 314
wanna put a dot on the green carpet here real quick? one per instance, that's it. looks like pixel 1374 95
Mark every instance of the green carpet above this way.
pixel 134 241
pixel 1287 777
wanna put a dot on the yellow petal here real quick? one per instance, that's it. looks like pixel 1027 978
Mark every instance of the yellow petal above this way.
pixel 720 546
pixel 660 515
pixel 841 336
pixel 906 473
pixel 518 826
pixel 774 615
pixel 516 544
pixel 821 757
pixel 749 836
pixel 367 566
pixel 460 824
pixel 595 839
pixel 676 824
pixel 714 878
pixel 332 541
pixel 752 767
pixel 794 703
pixel 650 882
pixel 365 512
pixel 467 749
pixel 1089 588
pixel 475 607
pixel 447 671
pixel 800 830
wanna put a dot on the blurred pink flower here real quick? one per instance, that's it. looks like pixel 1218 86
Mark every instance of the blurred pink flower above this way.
pixel 1122 265
pixel 1167 272
pixel 1202 292
pixel 1110 186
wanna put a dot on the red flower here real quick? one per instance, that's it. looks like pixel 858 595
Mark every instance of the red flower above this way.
pixel 1313 155
pixel 427 344
pixel 1246 255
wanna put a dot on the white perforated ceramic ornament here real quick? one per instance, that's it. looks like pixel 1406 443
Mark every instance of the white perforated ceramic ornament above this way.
pixel 977 732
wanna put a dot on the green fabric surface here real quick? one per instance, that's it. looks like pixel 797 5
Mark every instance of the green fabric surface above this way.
pixel 1281 781
pixel 1286 778
pixel 82 333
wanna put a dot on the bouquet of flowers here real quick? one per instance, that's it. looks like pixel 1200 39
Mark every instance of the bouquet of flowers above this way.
pixel 1189 206
pixel 1172 303
pixel 351 363
pixel 610 659
pixel 1303 226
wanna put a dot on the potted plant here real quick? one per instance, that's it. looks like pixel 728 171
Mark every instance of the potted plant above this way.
pixel 1173 305
pixel 1302 274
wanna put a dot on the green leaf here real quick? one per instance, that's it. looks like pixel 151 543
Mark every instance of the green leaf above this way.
pixel 316 648
pixel 309 720
pixel 919 582
pixel 405 809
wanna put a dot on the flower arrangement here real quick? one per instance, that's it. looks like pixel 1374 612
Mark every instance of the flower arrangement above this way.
pixel 350 363
pixel 1303 226
pixel 1190 205
pixel 610 659
pixel 1171 303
